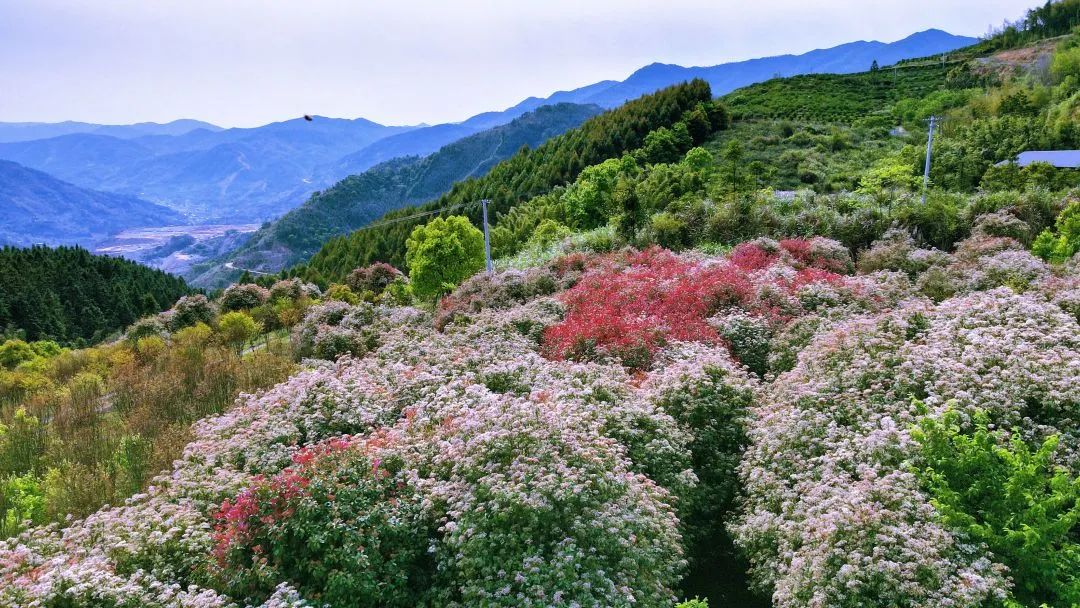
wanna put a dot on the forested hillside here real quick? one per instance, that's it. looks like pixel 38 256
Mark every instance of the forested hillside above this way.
pixel 71 296
pixel 358 199
pixel 528 173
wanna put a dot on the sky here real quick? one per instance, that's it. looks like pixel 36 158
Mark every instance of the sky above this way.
pixel 250 62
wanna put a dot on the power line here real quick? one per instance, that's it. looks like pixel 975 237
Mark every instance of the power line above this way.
pixel 414 216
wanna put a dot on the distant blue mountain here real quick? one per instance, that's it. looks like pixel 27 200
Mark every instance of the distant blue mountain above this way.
pixel 208 174
pixel 28 131
pixel 249 175
pixel 723 78
pixel 38 208
pixel 726 77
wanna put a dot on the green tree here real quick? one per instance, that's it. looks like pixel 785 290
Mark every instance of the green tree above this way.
pixel 631 214
pixel 588 201
pixel 236 329
pixel 442 253
pixel 733 155
pixel 1002 493
pixel 547 233
pixel 1004 177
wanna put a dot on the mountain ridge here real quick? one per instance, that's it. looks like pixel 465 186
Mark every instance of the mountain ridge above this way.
pixel 35 207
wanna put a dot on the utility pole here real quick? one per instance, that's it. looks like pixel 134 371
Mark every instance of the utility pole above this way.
pixel 487 238
pixel 929 150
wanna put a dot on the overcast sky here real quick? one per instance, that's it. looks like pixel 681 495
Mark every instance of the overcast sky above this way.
pixel 249 62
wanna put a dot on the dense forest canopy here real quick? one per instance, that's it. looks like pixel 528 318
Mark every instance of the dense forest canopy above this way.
pixel 71 296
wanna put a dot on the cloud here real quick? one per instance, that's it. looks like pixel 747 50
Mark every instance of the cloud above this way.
pixel 248 62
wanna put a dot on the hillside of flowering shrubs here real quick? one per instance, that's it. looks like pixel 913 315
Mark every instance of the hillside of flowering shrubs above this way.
pixel 768 425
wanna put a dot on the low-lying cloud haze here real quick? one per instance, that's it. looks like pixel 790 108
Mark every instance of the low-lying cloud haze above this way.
pixel 249 62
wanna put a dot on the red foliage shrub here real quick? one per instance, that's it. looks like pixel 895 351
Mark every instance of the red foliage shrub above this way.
pixel 631 307
pixel 630 312
pixel 810 275
pixel 268 501
pixel 817 253
pixel 751 256
pixel 800 249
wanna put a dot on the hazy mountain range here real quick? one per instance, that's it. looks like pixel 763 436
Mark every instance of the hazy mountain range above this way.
pixel 38 208
pixel 358 199
pixel 27 131
pixel 208 174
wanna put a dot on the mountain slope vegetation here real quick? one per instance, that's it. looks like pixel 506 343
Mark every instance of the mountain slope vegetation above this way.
pixel 528 173
pixel 359 199
pixel 71 296
pixel 724 78
pixel 741 361
pixel 38 208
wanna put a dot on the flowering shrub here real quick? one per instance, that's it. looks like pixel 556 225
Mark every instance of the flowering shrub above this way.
pixel 336 328
pixel 478 466
pixel 749 338
pixel 188 311
pixel 293 289
pixel 832 515
pixel 628 311
pixel 374 279
pixel 704 390
pixel 146 327
pixel 891 252
pixel 1001 224
pixel 243 297
pixel 277 529
pixel 1014 268
pixel 499 291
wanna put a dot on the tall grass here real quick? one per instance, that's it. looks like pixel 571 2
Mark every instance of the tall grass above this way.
pixel 91 427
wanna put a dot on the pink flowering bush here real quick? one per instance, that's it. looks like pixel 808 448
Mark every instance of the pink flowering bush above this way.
pixel 500 290
pixel 293 289
pixel 711 396
pixel 343 524
pixel 373 279
pixel 832 515
pixel 243 297
pixel 336 328
pixel 616 439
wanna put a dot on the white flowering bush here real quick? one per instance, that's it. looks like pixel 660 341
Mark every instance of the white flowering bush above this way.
pixel 833 517
pixel 337 328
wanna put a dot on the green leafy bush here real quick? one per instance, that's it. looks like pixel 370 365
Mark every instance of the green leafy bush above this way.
pixel 1062 244
pixel 443 253
pixel 1010 496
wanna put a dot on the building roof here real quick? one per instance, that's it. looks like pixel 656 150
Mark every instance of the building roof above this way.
pixel 1063 159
